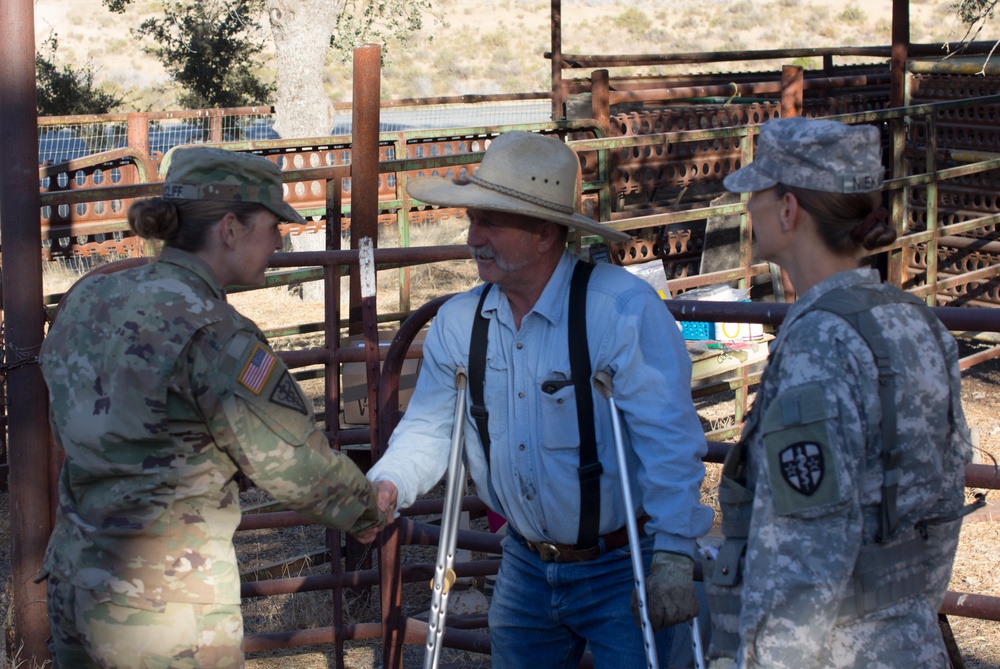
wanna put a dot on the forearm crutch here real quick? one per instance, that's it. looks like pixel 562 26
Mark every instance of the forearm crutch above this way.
pixel 699 651
pixel 444 573
pixel 602 381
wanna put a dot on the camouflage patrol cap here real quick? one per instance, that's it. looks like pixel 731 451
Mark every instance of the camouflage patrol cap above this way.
pixel 814 154
pixel 205 173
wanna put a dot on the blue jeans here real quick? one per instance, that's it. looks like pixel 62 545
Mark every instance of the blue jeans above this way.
pixel 545 614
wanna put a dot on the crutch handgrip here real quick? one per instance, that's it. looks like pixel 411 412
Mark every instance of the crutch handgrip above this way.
pixel 602 381
pixel 448 580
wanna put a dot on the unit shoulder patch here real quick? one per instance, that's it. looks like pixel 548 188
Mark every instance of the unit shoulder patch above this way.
pixel 801 460
pixel 802 466
pixel 286 393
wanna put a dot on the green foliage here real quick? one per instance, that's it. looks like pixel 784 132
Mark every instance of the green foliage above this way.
pixel 805 63
pixel 209 48
pixel 633 21
pixel 380 21
pixel 852 14
pixel 64 91
pixel 972 12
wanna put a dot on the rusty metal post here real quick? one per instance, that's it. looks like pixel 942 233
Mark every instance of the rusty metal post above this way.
pixel 28 427
pixel 558 92
pixel 138 131
pixel 364 162
pixel 898 98
pixel 600 100
pixel 791 91
pixel 900 51
pixel 215 119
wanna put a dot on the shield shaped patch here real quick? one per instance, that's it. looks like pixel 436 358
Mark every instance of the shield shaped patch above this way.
pixel 802 466
pixel 286 393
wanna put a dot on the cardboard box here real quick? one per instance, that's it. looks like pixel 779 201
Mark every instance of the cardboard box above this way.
pixel 738 331
pixel 354 395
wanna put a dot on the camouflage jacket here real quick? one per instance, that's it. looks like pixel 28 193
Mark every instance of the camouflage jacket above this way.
pixel 809 533
pixel 161 394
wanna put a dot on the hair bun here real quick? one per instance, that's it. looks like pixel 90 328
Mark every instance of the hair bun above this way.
pixel 154 218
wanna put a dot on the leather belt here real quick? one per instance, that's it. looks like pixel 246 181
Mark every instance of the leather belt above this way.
pixel 612 541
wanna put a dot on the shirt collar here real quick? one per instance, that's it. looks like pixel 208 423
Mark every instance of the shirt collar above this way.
pixel 551 304
pixel 195 265
pixel 847 278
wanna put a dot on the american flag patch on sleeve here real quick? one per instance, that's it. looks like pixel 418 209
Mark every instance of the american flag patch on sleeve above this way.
pixel 257 369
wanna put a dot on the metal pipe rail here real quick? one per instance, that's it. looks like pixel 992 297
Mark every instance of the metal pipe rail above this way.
pixel 573 61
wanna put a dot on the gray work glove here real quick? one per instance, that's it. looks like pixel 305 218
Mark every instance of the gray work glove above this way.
pixel 722 663
pixel 670 594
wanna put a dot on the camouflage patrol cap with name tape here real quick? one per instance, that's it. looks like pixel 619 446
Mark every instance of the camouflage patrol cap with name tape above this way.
pixel 813 154
pixel 206 173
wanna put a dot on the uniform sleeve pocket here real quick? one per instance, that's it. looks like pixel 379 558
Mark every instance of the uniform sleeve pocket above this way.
pixel 802 461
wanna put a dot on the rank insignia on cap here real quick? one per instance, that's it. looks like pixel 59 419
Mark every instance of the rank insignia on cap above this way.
pixel 257 369
pixel 802 467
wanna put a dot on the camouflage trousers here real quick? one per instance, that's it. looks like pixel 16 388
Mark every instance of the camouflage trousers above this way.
pixel 91 632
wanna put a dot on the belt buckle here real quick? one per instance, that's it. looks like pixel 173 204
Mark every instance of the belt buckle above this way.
pixel 546 551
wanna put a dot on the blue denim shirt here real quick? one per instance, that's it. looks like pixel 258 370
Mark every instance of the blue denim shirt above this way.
pixel 535 437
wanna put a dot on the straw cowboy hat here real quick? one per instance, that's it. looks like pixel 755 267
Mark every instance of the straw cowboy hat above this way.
pixel 522 173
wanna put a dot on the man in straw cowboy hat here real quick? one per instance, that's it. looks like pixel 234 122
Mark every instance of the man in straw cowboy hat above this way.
pixel 566 577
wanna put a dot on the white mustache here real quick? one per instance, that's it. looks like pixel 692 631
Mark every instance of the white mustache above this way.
pixel 482 252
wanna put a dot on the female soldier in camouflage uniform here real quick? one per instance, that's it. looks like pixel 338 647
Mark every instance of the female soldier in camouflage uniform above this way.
pixel 841 501
pixel 162 395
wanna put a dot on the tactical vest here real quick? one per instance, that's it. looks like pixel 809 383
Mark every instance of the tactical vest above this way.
pixel 875 582
pixel 590 469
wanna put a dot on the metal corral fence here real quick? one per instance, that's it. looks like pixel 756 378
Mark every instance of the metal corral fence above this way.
pixel 655 171
pixel 65 138
pixel 643 171
pixel 317 177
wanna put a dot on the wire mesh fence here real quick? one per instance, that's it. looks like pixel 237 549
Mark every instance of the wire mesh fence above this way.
pixel 62 139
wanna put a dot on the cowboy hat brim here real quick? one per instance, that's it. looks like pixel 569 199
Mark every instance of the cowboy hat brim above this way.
pixel 445 192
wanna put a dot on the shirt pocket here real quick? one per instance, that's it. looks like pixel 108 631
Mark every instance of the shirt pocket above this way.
pixel 497 379
pixel 560 428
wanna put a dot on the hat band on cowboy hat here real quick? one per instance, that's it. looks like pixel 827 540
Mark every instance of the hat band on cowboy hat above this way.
pixel 569 211
pixel 522 173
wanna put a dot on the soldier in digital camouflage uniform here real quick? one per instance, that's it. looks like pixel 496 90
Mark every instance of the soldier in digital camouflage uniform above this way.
pixel 161 395
pixel 841 504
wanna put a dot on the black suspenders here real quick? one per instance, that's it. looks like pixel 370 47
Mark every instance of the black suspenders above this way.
pixel 579 360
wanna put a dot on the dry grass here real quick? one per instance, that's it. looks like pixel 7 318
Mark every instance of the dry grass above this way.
pixel 466 53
